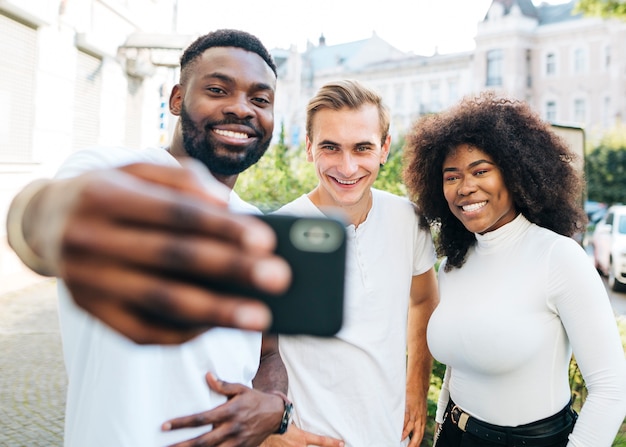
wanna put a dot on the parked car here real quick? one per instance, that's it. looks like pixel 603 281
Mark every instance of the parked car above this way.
pixel 595 211
pixel 609 247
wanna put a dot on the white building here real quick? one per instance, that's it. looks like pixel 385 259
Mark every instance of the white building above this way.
pixel 66 82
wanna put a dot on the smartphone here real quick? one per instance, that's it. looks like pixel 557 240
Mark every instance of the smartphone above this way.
pixel 315 248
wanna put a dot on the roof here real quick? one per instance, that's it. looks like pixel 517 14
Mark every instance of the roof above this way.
pixel 351 54
pixel 557 13
pixel 544 13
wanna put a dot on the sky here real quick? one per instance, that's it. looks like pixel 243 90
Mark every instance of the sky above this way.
pixel 418 26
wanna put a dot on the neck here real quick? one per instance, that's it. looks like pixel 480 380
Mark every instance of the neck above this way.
pixel 355 213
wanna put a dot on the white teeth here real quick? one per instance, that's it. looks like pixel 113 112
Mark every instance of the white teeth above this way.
pixel 231 134
pixel 346 182
pixel 474 206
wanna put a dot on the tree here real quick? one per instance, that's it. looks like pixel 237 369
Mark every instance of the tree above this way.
pixel 390 175
pixel 605 168
pixel 602 8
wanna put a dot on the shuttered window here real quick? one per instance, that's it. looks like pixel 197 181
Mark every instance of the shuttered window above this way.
pixel 18 47
pixel 87 94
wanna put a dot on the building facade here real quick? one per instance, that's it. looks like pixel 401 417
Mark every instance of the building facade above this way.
pixel 570 68
pixel 68 81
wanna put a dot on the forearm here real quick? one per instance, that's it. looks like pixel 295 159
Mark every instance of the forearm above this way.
pixel 272 374
pixel 419 360
pixel 424 299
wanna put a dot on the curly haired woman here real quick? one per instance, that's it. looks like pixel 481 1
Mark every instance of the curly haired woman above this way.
pixel 518 295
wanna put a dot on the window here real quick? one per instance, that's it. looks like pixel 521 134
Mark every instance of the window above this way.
pixel 495 60
pixel 18 46
pixel 529 69
pixel 579 110
pixel 606 112
pixel 435 99
pixel 417 98
pixel 551 111
pixel 580 61
pixel 453 91
pixel 551 64
pixel 399 93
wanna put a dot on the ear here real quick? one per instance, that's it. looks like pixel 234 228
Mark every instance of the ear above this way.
pixel 176 100
pixel 309 150
pixel 385 150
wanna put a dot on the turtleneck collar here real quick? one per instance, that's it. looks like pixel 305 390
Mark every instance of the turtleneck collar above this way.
pixel 503 236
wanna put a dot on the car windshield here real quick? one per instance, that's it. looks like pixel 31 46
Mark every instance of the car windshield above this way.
pixel 622 225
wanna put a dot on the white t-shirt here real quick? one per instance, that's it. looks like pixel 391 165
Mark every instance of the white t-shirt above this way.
pixel 506 325
pixel 352 386
pixel 119 393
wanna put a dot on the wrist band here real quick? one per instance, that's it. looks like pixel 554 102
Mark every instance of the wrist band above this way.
pixel 15 231
pixel 287 413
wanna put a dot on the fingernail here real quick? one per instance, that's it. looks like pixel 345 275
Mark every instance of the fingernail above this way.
pixel 166 426
pixel 252 317
pixel 259 237
pixel 272 275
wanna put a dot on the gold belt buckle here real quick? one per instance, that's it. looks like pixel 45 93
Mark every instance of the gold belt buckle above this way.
pixel 463 418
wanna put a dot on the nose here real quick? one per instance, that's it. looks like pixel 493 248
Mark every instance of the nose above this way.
pixel 466 186
pixel 348 166
pixel 239 106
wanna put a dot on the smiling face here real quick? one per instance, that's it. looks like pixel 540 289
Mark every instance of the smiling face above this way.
pixel 475 191
pixel 226 109
pixel 345 146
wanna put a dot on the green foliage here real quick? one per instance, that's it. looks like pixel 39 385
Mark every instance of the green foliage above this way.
pixel 605 168
pixel 602 8
pixel 390 175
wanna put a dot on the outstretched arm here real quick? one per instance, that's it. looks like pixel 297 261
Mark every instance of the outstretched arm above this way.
pixel 129 242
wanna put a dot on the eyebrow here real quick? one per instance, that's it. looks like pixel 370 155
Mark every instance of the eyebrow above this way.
pixel 229 79
pixel 360 143
pixel 471 165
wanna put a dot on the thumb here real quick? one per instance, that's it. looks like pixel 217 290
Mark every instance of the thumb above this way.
pixel 219 386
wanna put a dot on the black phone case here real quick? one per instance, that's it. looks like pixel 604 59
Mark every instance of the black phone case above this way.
pixel 314 302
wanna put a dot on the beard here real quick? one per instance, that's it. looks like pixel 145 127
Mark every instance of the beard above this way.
pixel 201 144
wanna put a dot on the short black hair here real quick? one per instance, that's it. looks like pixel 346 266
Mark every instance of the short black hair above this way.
pixel 223 38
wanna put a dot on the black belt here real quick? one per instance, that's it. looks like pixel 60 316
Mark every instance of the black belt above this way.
pixel 540 433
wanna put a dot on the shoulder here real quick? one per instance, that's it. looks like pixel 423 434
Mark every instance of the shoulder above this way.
pixel 111 157
pixel 558 251
pixel 391 203
pixel 237 204
pixel 301 205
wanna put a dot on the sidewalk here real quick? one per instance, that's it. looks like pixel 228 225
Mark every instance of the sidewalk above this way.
pixel 33 382
pixel 14 276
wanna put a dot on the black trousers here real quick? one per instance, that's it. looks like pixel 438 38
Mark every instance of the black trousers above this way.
pixel 536 434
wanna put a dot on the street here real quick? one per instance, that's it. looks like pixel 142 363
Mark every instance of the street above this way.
pixel 32 376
